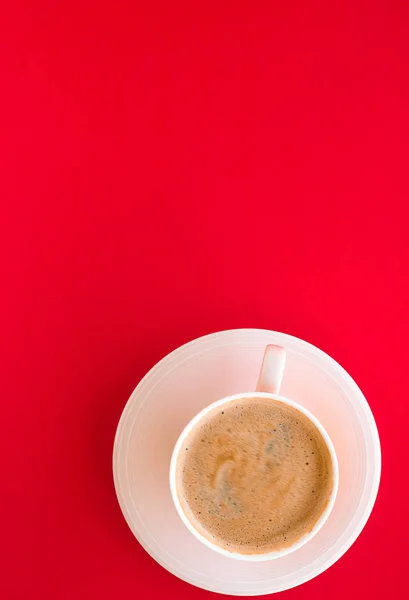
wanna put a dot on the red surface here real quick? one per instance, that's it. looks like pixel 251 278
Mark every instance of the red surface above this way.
pixel 172 169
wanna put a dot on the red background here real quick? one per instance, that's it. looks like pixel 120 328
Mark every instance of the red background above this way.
pixel 172 169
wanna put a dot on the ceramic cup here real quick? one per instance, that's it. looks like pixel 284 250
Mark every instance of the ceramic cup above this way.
pixel 268 386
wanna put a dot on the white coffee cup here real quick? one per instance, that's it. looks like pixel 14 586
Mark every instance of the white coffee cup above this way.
pixel 268 386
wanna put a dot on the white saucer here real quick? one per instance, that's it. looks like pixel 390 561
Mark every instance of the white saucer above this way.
pixel 189 379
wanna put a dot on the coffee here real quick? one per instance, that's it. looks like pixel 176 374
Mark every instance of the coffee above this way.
pixel 254 476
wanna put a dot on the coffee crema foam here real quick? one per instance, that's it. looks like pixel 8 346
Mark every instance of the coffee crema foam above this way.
pixel 254 476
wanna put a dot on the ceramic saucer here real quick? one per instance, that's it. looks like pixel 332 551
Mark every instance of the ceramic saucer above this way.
pixel 189 379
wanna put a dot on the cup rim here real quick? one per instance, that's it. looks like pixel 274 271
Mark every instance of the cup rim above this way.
pixel 267 555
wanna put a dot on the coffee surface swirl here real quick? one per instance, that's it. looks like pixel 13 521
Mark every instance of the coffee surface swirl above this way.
pixel 254 476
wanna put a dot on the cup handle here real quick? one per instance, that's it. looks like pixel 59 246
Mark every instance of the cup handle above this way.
pixel 272 370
